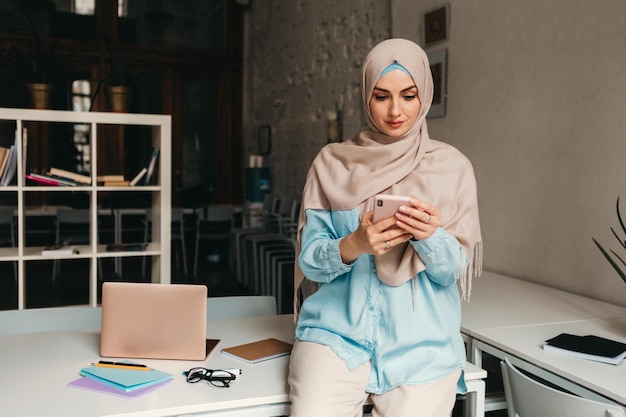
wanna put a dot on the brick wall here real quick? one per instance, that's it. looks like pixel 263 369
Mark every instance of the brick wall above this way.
pixel 303 58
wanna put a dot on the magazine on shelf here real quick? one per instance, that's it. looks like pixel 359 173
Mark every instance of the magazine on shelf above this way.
pixel 588 347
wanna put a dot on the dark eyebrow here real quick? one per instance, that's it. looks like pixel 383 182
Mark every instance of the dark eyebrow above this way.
pixel 403 91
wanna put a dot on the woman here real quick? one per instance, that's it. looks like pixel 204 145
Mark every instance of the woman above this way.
pixel 384 318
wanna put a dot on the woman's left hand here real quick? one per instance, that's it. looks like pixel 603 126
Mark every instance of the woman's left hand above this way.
pixel 420 219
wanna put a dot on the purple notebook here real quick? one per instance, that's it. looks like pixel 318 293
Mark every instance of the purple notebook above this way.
pixel 91 384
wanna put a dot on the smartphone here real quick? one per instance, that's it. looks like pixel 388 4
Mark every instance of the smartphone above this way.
pixel 386 205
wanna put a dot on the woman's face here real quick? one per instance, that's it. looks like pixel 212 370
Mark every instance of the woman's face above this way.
pixel 394 104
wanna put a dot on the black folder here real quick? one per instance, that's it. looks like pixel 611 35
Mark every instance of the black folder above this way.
pixel 588 347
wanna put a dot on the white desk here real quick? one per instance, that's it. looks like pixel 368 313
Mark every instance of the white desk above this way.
pixel 511 317
pixel 37 367
pixel 589 379
pixel 501 301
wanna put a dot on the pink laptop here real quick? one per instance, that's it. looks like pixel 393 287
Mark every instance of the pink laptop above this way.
pixel 155 321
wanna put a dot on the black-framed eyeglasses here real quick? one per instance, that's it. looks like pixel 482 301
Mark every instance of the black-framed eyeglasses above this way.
pixel 216 377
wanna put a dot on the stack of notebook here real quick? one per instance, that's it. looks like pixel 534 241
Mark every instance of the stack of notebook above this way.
pixel 124 382
pixel 589 347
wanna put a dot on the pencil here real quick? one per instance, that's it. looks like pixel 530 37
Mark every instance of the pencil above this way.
pixel 122 365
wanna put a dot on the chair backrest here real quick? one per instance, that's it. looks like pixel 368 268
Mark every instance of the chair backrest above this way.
pixel 216 213
pixel 268 200
pixel 49 319
pixel 7 221
pixel 215 222
pixel 177 221
pixel 286 205
pixel 289 226
pixel 240 306
pixel 527 397
pixel 73 225
pixel 73 216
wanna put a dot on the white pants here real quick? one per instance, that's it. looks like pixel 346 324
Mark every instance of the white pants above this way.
pixel 322 386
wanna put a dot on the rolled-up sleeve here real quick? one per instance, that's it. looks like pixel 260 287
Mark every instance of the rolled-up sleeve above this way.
pixel 443 256
pixel 319 259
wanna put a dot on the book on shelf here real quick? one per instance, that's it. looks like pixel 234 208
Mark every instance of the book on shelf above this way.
pixel 49 180
pixel 152 165
pixel 83 179
pixel 589 347
pixel 138 177
pixel 63 180
pixel 4 158
pixel 259 351
pixel 122 183
pixel 11 165
pixel 107 178
pixel 24 147
pixel 60 249
pixel 9 170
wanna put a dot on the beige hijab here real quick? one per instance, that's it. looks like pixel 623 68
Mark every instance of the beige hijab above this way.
pixel 348 174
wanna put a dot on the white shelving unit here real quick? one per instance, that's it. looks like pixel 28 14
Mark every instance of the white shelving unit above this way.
pixel 158 250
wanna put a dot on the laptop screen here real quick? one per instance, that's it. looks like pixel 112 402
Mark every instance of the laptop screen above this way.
pixel 157 321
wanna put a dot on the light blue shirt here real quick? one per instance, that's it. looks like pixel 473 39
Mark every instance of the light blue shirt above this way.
pixel 363 319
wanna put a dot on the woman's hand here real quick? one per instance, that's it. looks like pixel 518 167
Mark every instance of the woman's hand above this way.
pixel 375 239
pixel 420 219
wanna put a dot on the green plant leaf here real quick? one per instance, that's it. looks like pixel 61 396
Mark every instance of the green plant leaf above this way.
pixel 619 239
pixel 611 261
pixel 619 217
pixel 618 257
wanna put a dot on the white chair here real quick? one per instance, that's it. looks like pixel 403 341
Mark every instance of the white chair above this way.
pixel 526 397
pixel 49 319
pixel 240 306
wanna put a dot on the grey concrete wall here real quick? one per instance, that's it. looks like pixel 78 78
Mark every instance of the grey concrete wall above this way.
pixel 536 99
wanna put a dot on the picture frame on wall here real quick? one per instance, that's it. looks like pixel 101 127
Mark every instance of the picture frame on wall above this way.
pixel 438 61
pixel 436 25
pixel 264 140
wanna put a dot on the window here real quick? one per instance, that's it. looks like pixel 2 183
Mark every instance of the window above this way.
pixel 88 7
pixel 81 101
pixel 84 7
